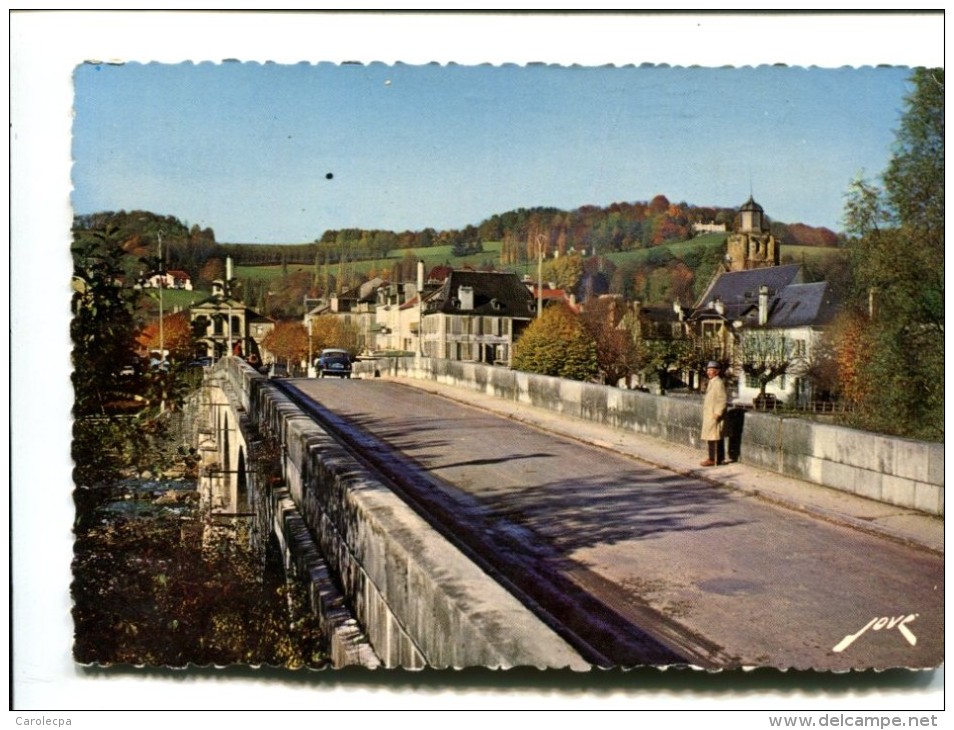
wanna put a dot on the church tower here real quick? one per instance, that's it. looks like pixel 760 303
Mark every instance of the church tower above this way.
pixel 751 245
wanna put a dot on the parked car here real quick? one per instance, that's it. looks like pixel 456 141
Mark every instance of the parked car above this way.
pixel 277 370
pixel 768 402
pixel 334 363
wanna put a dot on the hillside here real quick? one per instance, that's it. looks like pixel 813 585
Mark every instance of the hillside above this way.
pixel 641 250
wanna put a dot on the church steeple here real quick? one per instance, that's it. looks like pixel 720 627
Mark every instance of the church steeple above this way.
pixel 751 218
pixel 751 245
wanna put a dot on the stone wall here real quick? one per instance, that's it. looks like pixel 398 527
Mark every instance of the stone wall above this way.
pixel 420 601
pixel 897 471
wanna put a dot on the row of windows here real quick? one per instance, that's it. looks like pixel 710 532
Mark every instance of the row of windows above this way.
pixel 753 382
pixel 460 325
pixel 468 352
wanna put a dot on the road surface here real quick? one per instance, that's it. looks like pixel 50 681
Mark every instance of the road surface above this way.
pixel 741 581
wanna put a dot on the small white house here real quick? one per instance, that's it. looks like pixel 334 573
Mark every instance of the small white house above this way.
pixel 171 279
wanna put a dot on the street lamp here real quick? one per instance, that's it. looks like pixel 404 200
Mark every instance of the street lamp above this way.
pixel 311 364
pixel 540 241
pixel 162 276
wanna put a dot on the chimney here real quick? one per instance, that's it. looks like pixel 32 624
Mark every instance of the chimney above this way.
pixel 466 296
pixel 228 269
pixel 763 305
pixel 420 276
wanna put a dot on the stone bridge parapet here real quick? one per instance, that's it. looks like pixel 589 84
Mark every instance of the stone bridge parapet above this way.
pixel 420 601
pixel 902 472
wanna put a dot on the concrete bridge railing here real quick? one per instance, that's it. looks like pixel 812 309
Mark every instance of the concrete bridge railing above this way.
pixel 896 471
pixel 420 601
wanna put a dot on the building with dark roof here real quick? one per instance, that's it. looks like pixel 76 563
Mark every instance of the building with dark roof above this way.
pixel 355 307
pixel 771 304
pixel 476 316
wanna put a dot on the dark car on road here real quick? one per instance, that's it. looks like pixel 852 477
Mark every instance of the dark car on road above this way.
pixel 277 370
pixel 767 402
pixel 334 363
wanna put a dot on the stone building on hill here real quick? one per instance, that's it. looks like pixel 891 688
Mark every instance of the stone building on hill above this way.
pixel 751 245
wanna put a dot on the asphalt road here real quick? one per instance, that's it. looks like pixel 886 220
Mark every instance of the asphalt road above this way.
pixel 750 583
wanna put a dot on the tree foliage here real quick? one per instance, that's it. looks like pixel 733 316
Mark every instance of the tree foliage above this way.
pixel 103 328
pixel 334 332
pixel 176 336
pixel 148 590
pixel 659 354
pixel 557 344
pixel 565 271
pixel 288 341
pixel 616 354
pixel 767 355
pixel 897 269
pixel 118 423
pixel 137 233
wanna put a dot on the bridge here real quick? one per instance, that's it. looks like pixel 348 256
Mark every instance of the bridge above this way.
pixel 452 514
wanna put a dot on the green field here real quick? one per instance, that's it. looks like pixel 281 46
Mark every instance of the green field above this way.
pixel 806 254
pixel 175 298
pixel 433 256
pixel 439 255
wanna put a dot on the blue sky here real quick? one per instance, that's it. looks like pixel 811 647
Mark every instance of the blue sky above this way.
pixel 245 148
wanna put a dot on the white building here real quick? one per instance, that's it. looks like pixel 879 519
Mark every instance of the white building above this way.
pixel 744 312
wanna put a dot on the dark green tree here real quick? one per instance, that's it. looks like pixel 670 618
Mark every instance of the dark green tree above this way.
pixel 896 240
pixel 118 428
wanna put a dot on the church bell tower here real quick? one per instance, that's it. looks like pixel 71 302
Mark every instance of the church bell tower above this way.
pixel 751 245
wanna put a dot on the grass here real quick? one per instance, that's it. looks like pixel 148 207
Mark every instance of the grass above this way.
pixel 440 255
pixel 172 298
pixel 804 254
pixel 433 256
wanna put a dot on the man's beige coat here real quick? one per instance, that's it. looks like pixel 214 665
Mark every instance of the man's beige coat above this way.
pixel 713 409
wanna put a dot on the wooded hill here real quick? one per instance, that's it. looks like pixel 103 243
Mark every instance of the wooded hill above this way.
pixel 618 227
pixel 589 230
pixel 643 250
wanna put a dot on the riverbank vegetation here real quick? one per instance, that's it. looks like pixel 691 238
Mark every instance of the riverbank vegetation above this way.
pixel 154 585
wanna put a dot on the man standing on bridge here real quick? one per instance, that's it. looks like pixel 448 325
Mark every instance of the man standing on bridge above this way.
pixel 713 414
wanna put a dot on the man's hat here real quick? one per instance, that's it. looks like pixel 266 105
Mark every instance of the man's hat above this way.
pixel 713 364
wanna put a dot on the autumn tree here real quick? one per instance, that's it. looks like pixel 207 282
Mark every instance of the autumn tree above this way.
pixel 565 271
pixel 288 341
pixel 211 270
pixel 896 240
pixel 557 344
pixel 334 332
pixel 834 367
pixel 176 336
pixel 616 355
